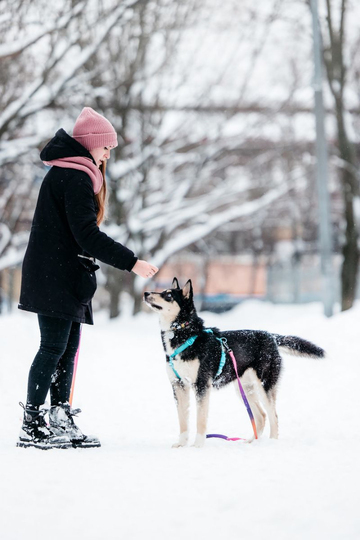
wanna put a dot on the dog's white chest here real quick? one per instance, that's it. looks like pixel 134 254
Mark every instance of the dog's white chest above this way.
pixel 188 371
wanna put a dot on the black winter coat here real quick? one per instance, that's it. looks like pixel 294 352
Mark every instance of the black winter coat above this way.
pixel 55 280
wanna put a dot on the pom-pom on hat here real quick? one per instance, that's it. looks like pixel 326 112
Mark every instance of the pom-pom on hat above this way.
pixel 92 130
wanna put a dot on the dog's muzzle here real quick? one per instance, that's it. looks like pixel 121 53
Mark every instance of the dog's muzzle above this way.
pixel 149 301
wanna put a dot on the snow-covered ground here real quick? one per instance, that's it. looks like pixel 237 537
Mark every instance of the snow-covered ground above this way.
pixel 303 486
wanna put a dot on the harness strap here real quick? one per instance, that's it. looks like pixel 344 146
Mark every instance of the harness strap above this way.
pixel 179 350
pixel 223 354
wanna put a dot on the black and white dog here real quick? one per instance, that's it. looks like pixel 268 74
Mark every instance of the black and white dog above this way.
pixel 256 352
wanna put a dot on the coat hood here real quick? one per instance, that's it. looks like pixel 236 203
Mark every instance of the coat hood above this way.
pixel 63 146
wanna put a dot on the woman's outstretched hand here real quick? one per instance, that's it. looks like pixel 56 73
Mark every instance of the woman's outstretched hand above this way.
pixel 144 269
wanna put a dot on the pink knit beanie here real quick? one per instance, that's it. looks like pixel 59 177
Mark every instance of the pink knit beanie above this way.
pixel 92 130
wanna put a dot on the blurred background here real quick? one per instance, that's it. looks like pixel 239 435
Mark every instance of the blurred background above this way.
pixel 215 176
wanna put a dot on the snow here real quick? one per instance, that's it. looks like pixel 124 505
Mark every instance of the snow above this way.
pixel 305 485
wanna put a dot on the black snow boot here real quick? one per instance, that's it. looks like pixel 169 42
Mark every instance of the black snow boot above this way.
pixel 36 433
pixel 62 423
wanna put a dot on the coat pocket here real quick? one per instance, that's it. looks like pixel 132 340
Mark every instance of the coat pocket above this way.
pixel 87 283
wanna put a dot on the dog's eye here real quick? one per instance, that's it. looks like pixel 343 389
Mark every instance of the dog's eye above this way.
pixel 168 296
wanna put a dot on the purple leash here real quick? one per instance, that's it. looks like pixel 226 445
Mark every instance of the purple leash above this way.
pixel 243 395
pixel 218 436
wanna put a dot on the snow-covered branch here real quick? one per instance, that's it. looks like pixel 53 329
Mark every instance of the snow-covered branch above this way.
pixel 17 47
pixel 39 93
pixel 10 151
pixel 191 233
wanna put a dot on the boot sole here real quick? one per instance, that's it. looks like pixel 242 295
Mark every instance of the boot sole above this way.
pixel 31 444
pixel 85 445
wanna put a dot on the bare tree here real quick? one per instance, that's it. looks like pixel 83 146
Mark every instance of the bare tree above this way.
pixel 186 175
pixel 49 64
pixel 337 72
pixel 42 64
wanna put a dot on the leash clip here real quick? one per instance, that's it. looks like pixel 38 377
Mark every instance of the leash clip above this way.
pixel 225 344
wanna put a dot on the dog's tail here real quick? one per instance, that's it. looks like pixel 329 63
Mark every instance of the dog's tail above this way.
pixel 299 346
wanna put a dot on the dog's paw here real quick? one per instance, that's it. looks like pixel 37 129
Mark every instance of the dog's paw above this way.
pixel 199 441
pixel 183 440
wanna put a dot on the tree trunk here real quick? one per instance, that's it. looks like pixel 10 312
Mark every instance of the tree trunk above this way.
pixel 137 297
pixel 336 71
pixel 350 264
pixel 114 285
pixel 1 291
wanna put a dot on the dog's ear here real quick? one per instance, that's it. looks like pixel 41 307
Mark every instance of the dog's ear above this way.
pixel 188 290
pixel 175 284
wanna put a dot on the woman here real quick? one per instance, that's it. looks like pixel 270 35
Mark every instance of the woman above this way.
pixel 58 274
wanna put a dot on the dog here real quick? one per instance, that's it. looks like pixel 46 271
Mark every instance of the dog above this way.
pixel 257 357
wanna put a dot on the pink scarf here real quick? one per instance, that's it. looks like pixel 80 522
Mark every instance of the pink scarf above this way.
pixel 81 164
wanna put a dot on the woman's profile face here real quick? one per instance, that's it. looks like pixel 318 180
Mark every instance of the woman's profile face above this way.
pixel 100 154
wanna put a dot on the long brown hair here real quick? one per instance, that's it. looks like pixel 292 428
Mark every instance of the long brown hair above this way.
pixel 100 197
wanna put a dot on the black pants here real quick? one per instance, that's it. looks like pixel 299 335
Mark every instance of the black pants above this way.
pixel 53 366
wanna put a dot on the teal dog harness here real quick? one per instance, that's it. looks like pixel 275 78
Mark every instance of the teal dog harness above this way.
pixel 190 342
